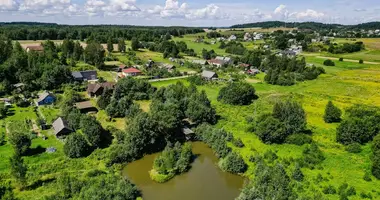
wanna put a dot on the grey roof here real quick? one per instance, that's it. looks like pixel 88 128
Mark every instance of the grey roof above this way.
pixel 43 96
pixel 187 131
pixel 84 105
pixel 208 74
pixel 60 124
pixel 85 75
pixel 201 62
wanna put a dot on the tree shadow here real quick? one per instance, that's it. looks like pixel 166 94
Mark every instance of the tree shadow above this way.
pixel 35 151
pixel 105 139
pixel 39 183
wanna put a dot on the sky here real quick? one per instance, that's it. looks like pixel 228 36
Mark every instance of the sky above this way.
pixel 203 13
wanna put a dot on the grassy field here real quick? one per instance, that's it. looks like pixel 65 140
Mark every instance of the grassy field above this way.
pixel 346 84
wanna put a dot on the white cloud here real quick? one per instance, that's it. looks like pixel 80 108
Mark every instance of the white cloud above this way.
pixel 112 8
pixel 43 5
pixel 309 14
pixel 9 5
pixel 281 12
pixel 94 7
pixel 211 11
pixel 280 9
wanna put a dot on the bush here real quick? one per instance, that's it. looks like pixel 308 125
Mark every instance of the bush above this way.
pixel 237 94
pixel 376 157
pixel 292 115
pixel 332 113
pixel 271 130
pixel 328 62
pixel 297 173
pixel 299 139
pixel 233 163
pixel 341 59
pixel 329 190
pixel 361 61
pixel 354 148
pixel 312 156
pixel 367 177
pixel 238 143
pixel 76 146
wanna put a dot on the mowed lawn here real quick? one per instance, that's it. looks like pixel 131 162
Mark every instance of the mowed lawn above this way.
pixel 346 84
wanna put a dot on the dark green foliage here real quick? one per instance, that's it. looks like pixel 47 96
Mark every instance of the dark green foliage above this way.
pixel 3 110
pixel 367 176
pixel 20 142
pixel 135 44
pixel 174 159
pixel 354 148
pixel 105 99
pixel 341 59
pixel 74 119
pixel 235 48
pixel 76 146
pixel 287 118
pixel 270 156
pixel 366 196
pixel 133 110
pixel 271 130
pixel 312 156
pixel 297 173
pixel 332 113
pixel 199 109
pixel 109 187
pixel 2 138
pixel 361 125
pixel 292 115
pixel 91 129
pixel 329 190
pixel 207 55
pixel 119 107
pixel 18 168
pixel 346 48
pixel 376 157
pixel 121 45
pixel 6 192
pixel 299 139
pixel 233 163
pixel 328 62
pixel 240 93
pixel 287 71
pixel 196 80
pixel 215 138
pixel 269 183
pixel 361 61
pixel 109 45
pixel 94 54
pixel 238 143
pixel 134 88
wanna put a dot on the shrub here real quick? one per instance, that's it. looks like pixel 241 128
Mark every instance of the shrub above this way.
pixel 270 156
pixel 238 143
pixel 271 130
pixel 312 156
pixel 332 113
pixel 233 163
pixel 328 62
pixel 329 190
pixel 76 146
pixel 361 61
pixel 376 157
pixel 292 115
pixel 367 176
pixel 297 173
pixel 299 139
pixel 237 94
pixel 354 148
pixel 341 59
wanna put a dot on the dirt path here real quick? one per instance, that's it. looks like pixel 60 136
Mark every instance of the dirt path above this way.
pixel 349 60
pixel 167 79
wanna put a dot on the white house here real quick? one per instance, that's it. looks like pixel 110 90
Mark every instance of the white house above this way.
pixel 232 37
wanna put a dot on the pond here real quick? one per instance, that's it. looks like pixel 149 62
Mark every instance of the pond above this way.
pixel 204 181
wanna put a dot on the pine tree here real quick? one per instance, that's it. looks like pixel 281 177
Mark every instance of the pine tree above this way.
pixel 135 44
pixel 121 45
pixel 332 113
pixel 109 45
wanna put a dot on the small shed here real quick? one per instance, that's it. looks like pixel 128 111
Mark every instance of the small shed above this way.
pixel 86 107
pixel 97 89
pixel 131 72
pixel 61 127
pixel 209 75
pixel 89 75
pixel 189 134
pixel 45 98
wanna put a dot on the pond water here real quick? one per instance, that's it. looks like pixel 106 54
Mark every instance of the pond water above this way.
pixel 204 181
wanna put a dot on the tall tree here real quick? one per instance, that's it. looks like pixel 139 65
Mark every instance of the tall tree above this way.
pixel 332 113
pixel 94 54
pixel 109 46
pixel 135 44
pixel 121 45
pixel 18 168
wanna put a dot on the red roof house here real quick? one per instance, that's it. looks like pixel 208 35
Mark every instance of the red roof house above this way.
pixel 131 72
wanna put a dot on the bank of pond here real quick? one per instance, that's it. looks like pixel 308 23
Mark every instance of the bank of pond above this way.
pixel 203 179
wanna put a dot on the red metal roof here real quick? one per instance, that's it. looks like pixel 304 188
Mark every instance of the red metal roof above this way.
pixel 131 70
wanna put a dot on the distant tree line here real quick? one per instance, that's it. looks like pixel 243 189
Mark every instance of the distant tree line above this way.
pixel 99 33
pixel 346 48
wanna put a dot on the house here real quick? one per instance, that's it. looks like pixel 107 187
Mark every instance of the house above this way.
pixel 200 62
pixel 45 98
pixel 89 75
pixel 85 107
pixel 215 62
pixel 247 37
pixel 97 89
pixel 258 36
pixel 198 40
pixel 219 39
pixel 61 127
pixel 209 75
pixel 121 67
pixel 232 37
pixel 169 67
pixel 253 71
pixel 36 48
pixel 131 72
pixel 188 133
